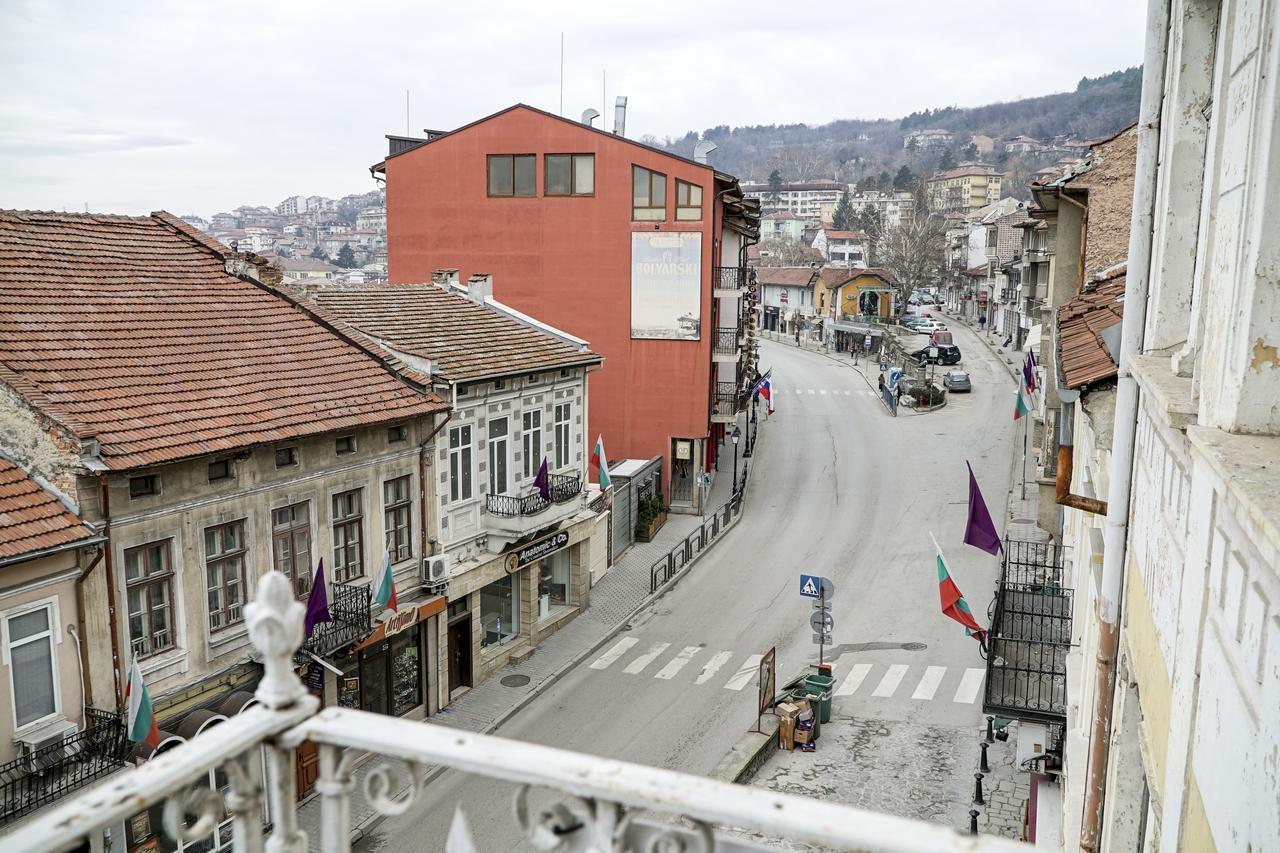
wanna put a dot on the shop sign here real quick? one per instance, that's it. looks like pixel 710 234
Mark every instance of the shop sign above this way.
pixel 532 553
pixel 315 677
pixel 406 617
pixel 684 448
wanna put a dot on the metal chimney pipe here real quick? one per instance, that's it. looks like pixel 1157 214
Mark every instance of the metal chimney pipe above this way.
pixel 589 116
pixel 620 116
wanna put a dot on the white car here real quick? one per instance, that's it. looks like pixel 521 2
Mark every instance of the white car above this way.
pixel 928 327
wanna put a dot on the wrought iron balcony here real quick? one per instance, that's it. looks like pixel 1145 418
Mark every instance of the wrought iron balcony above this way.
pixel 603 805
pixel 563 488
pixel 40 777
pixel 351 620
pixel 1030 635
pixel 726 342
pixel 727 392
pixel 728 278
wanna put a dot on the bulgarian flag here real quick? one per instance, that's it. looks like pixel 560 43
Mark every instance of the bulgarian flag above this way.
pixel 1021 406
pixel 384 587
pixel 601 461
pixel 953 603
pixel 142 718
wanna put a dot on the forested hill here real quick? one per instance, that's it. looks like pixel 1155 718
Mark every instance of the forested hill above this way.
pixel 851 149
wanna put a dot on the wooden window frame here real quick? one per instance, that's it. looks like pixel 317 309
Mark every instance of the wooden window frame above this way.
pixel 397 518
pixel 397 433
pixel 573 176
pixel 505 440
pixel 146 582
pixel 351 445
pixel 682 184
pixel 225 615
pixel 531 441
pixel 229 467
pixel 563 442
pixel 291 456
pixel 460 455
pixel 649 205
pixel 299 575
pixel 344 525
pixel 488 183
pixel 152 482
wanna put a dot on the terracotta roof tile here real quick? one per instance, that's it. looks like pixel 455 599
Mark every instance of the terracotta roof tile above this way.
pixel 463 339
pixel 1083 356
pixel 833 234
pixel 132 332
pixel 787 276
pixel 33 518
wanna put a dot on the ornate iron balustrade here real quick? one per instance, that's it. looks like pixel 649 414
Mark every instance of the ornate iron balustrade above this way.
pixel 728 278
pixel 1030 635
pixel 605 806
pixel 351 612
pixel 36 779
pixel 563 488
pixel 727 392
pixel 726 341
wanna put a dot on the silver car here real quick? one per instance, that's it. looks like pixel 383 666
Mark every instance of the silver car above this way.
pixel 956 380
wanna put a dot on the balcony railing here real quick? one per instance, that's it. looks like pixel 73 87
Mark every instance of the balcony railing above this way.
pixel 351 620
pixel 601 804
pixel 726 341
pixel 36 779
pixel 727 392
pixel 728 278
pixel 563 488
pixel 1030 635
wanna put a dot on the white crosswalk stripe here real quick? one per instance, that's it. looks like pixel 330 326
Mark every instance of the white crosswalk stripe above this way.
pixel 853 680
pixel 823 392
pixel 618 650
pixel 677 663
pixel 847 393
pixel 711 667
pixel 970 684
pixel 929 684
pixel 645 659
pixel 892 678
pixel 745 673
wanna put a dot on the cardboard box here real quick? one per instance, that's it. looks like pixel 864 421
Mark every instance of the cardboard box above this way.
pixel 803 705
pixel 789 710
pixel 786 733
pixel 805 736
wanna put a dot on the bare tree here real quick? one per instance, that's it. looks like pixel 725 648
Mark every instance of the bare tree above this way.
pixel 913 253
pixel 784 253
pixel 801 163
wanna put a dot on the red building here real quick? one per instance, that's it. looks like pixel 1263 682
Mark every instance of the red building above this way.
pixel 638 251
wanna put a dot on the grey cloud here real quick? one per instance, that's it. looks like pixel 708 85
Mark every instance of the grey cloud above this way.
pixel 61 143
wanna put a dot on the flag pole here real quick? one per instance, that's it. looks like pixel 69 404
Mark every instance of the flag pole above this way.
pixel 1026 430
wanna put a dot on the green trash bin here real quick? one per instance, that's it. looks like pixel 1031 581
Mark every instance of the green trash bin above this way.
pixel 819 688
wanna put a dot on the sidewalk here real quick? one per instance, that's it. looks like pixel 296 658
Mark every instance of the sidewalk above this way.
pixel 615 599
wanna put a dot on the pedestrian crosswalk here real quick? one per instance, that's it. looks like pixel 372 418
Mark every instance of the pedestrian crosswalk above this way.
pixel 871 392
pixel 854 677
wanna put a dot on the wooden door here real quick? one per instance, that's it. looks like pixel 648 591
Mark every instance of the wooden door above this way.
pixel 460 653
pixel 307 760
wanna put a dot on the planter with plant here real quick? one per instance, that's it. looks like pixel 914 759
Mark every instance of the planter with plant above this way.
pixel 651 516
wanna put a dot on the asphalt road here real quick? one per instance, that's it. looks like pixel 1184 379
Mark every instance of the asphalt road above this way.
pixel 840 489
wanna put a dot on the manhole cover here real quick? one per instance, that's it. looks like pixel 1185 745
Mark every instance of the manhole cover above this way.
pixel 914 647
pixel 515 680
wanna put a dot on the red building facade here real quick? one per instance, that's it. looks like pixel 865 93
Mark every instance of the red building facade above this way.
pixel 638 251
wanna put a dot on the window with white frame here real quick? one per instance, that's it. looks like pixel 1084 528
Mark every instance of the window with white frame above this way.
pixel 563 433
pixel 397 505
pixel 498 432
pixel 531 440
pixel 224 556
pixel 460 463
pixel 29 651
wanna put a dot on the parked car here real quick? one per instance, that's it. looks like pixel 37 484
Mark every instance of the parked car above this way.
pixel 956 380
pixel 937 354
pixel 930 325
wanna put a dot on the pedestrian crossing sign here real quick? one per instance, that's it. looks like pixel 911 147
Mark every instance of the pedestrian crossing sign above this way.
pixel 810 586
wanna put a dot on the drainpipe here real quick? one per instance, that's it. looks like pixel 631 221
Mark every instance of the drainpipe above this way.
pixel 108 565
pixel 1066 453
pixel 1115 534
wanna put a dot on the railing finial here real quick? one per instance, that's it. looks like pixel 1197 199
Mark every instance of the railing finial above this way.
pixel 275 628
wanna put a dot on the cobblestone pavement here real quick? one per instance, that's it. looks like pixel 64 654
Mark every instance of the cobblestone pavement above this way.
pixel 614 598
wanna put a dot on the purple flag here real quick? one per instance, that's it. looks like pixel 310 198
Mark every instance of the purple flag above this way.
pixel 543 481
pixel 317 602
pixel 980 531
pixel 1029 372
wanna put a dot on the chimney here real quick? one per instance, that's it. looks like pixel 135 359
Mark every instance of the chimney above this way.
pixel 702 149
pixel 480 287
pixel 589 116
pixel 445 277
pixel 620 116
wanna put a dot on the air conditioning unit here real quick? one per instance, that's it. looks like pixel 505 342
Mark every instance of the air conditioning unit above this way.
pixel 46 746
pixel 435 575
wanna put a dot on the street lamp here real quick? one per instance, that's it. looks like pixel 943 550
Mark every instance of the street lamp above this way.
pixel 736 434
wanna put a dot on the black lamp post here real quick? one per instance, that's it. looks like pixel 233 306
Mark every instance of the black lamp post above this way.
pixel 736 434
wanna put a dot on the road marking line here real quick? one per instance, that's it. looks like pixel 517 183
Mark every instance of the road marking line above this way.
pixel 969 686
pixel 678 662
pixel 645 659
pixel 853 680
pixel 745 673
pixel 889 684
pixel 712 666
pixel 847 393
pixel 929 684
pixel 619 649
pixel 823 392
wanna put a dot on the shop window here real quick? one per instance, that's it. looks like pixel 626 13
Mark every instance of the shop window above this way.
pixel 29 651
pixel 348 536
pixel 460 463
pixel 531 438
pixel 373 680
pixel 500 611
pixel 349 684
pixel 291 545
pixel 563 419
pixel 553 583
pixel 406 671
pixel 688 201
pixel 648 194
pixel 396 505
pixel 148 576
pixel 569 174
pixel 224 554
pixel 512 174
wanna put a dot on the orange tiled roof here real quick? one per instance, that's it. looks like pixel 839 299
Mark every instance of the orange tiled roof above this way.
pixel 32 518
pixel 833 234
pixel 1083 356
pixel 787 276
pixel 464 339
pixel 129 330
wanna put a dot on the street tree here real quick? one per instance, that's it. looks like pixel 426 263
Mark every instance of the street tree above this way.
pixel 784 253
pixel 870 221
pixel 775 186
pixel 346 257
pixel 913 252
pixel 841 216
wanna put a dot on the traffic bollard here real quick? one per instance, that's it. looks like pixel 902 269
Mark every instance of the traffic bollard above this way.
pixel 973 821
pixel 991 736
pixel 977 789
pixel 982 765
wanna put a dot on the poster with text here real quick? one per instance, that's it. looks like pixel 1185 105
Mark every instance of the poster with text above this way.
pixel 666 285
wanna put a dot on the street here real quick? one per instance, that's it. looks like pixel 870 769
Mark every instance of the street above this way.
pixel 842 489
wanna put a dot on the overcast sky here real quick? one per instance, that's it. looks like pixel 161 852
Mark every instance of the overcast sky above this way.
pixel 128 106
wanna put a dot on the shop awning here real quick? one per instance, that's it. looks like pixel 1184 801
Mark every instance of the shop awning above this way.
pixel 1033 339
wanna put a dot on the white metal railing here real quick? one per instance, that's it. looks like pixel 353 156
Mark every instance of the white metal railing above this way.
pixel 606 806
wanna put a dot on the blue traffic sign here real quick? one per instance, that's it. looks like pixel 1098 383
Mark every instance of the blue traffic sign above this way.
pixel 811 586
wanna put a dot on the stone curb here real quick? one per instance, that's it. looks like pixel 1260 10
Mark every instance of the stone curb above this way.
pixel 750 752
pixel 982 336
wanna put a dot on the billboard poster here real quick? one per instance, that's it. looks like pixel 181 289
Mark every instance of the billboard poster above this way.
pixel 666 285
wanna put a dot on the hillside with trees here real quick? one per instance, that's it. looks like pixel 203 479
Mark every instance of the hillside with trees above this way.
pixel 870 152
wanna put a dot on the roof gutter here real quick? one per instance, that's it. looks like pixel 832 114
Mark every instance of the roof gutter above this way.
pixel 54 549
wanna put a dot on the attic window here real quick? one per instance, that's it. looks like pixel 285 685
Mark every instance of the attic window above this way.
pixel 286 457
pixel 396 433
pixel 141 487
pixel 221 469
pixel 345 444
